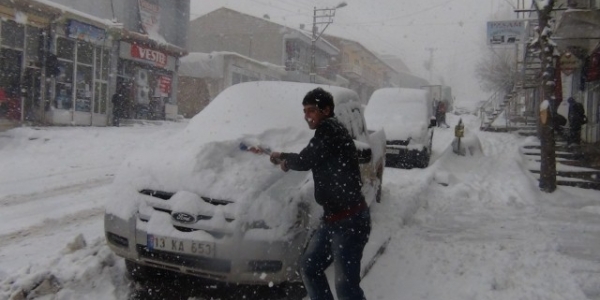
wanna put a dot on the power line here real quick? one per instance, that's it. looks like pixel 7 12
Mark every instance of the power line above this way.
pixel 408 15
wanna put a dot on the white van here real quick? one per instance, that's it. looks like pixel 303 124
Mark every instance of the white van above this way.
pixel 408 119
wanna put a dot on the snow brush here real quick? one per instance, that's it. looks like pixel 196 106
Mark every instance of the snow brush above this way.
pixel 255 149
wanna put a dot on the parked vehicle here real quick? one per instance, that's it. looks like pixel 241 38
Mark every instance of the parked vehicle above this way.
pixel 407 117
pixel 202 204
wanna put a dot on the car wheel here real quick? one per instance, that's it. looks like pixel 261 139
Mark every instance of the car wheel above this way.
pixel 422 159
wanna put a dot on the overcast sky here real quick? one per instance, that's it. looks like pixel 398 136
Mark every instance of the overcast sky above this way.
pixel 454 29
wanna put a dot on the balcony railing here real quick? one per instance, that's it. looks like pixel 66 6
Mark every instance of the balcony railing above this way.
pixel 583 4
pixel 352 70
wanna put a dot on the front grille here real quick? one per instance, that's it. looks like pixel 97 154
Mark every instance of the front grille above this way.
pixel 117 240
pixel 168 195
pixel 270 266
pixel 186 260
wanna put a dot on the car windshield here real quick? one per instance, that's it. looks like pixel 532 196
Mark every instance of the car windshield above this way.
pixel 158 149
pixel 398 106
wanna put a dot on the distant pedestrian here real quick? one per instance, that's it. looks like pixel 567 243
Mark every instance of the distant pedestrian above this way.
pixel 440 114
pixel 118 102
pixel 577 119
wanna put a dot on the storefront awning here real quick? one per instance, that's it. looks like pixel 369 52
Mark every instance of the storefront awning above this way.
pixel 578 29
pixel 145 40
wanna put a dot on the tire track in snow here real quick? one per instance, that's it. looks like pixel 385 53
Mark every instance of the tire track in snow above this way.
pixel 54 192
pixel 50 225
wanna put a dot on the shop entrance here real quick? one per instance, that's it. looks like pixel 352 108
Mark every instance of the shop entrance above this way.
pixel 33 98
pixel 10 82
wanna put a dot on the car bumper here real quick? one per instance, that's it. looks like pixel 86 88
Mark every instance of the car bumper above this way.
pixel 235 260
pixel 403 157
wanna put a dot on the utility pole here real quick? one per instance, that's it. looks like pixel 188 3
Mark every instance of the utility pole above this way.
pixel 431 50
pixel 547 106
pixel 320 16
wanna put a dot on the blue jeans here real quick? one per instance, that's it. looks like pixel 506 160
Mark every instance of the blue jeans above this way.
pixel 341 242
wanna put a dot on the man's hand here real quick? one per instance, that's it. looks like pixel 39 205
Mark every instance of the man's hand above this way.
pixel 275 158
pixel 283 166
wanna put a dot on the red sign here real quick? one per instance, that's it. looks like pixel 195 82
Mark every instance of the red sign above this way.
pixel 164 84
pixel 156 57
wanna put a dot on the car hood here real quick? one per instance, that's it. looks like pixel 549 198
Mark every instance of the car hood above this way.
pixel 255 188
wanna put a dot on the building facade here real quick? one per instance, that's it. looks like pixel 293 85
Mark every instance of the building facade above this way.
pixel 577 36
pixel 69 56
pixel 363 68
pixel 202 76
pixel 265 41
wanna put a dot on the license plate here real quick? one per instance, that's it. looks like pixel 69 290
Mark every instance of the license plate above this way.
pixel 181 246
pixel 392 151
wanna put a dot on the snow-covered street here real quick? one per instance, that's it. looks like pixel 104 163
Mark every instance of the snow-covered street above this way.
pixel 473 227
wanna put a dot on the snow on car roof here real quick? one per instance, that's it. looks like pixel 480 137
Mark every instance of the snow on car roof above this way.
pixel 255 107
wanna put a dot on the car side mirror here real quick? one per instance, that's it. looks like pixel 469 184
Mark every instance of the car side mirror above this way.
pixel 432 122
pixel 363 151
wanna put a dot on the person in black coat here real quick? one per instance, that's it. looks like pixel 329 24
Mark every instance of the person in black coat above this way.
pixel 118 102
pixel 577 119
pixel 346 223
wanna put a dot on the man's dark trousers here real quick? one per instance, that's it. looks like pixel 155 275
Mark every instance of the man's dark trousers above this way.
pixel 342 242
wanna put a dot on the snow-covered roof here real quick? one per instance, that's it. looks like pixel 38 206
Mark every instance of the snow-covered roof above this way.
pixel 69 10
pixel 211 65
pixel 202 65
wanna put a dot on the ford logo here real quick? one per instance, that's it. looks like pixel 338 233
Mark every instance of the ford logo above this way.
pixel 183 217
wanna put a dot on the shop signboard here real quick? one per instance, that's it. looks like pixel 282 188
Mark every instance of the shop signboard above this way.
pixel 149 15
pixel 501 33
pixel 164 85
pixel 85 32
pixel 149 55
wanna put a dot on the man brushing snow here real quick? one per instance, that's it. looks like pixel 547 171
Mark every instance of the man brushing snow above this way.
pixel 346 224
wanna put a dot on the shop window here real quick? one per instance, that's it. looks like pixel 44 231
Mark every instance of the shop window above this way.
pixel 85 53
pixel 10 80
pixel 102 64
pixel 105 64
pixel 35 40
pixel 64 85
pixel 101 80
pixel 65 48
pixel 13 34
pixel 100 97
pixel 84 88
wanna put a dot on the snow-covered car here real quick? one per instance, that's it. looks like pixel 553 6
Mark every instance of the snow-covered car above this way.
pixel 407 117
pixel 203 203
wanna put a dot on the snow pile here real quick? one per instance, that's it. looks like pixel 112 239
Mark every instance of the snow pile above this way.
pixel 82 272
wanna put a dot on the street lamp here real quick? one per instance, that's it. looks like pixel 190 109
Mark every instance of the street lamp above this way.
pixel 325 17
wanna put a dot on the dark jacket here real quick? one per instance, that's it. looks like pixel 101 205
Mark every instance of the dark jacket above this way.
pixel 576 115
pixel 118 101
pixel 332 157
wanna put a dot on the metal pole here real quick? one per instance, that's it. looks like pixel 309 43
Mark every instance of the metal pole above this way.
pixel 313 63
